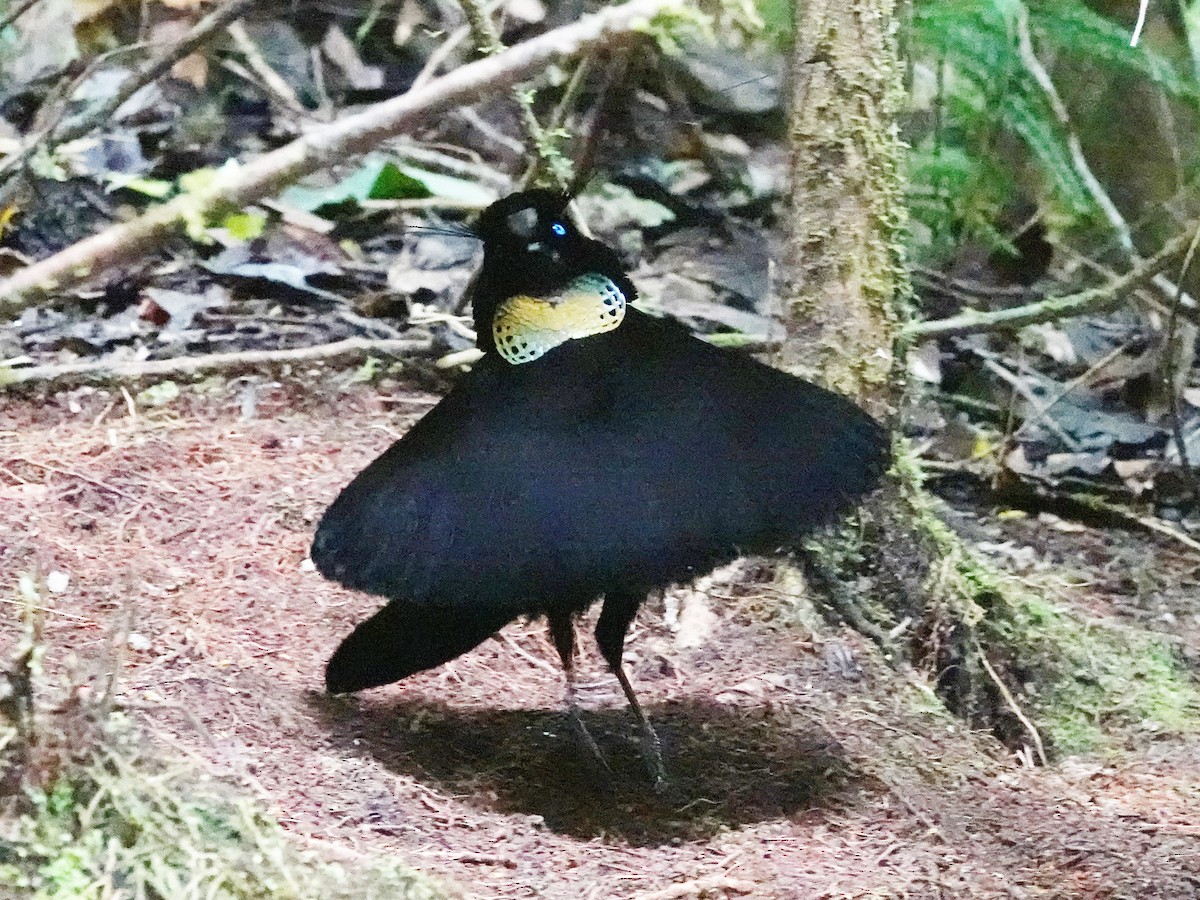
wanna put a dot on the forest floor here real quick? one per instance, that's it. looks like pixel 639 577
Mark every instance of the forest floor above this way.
pixel 793 775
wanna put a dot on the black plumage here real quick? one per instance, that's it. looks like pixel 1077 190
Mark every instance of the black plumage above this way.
pixel 612 465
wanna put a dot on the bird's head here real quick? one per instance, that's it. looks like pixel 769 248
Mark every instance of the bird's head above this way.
pixel 542 282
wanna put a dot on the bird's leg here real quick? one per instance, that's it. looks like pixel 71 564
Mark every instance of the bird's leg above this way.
pixel 616 614
pixel 562 632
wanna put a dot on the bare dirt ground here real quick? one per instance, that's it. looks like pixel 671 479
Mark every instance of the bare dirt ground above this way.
pixel 791 780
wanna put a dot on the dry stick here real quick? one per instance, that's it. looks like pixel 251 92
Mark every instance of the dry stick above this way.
pixel 1012 704
pixel 474 169
pixel 1018 384
pixel 156 68
pixel 272 81
pixel 16 12
pixel 439 56
pixel 1146 296
pixel 191 365
pixel 1170 364
pixel 1099 504
pixel 233 188
pixel 1100 196
pixel 700 886
pixel 961 286
pixel 1090 300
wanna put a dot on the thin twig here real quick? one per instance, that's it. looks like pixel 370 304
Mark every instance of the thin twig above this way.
pixel 152 71
pixel 95 482
pixel 1085 376
pixel 1150 523
pixel 962 287
pixel 487 40
pixel 1011 702
pixel 16 12
pixel 1188 308
pixel 48 609
pixel 439 56
pixel 272 81
pixel 234 187
pixel 191 365
pixel 525 655
pixel 700 887
pixel 1090 300
pixel 1099 195
pixel 1121 229
pixel 473 168
pixel 1171 355
pixel 157 67
pixel 1018 384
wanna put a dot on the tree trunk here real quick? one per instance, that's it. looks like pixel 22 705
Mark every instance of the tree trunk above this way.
pixel 845 269
pixel 898 574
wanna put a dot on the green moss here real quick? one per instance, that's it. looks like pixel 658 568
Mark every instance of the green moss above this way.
pixel 169 833
pixel 87 811
pixel 1088 685
pixel 1097 684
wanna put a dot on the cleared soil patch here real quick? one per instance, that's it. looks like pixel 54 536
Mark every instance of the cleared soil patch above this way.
pixel 791 779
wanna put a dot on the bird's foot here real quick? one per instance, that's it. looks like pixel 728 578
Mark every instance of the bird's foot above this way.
pixel 588 743
pixel 653 758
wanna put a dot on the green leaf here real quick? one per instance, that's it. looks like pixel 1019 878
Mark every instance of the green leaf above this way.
pixel 393 184
pixel 777 17
pixel 197 181
pixel 150 187
pixel 459 190
pixel 368 371
pixel 245 226
pixel 377 179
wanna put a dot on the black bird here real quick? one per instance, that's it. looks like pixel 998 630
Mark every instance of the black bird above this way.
pixel 594 451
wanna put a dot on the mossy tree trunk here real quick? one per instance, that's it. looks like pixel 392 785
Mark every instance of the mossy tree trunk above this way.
pixel 897 574
pixel 845 268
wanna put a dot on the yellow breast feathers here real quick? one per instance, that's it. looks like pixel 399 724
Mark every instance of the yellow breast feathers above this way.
pixel 526 328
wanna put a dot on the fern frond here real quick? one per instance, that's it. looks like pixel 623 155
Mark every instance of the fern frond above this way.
pixel 1074 30
pixel 989 90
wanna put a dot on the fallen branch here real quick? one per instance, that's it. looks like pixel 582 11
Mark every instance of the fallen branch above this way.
pixel 1110 509
pixel 1150 523
pixel 192 365
pixel 234 186
pixel 1092 300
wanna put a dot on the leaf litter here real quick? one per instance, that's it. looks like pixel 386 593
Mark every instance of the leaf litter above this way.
pixel 789 779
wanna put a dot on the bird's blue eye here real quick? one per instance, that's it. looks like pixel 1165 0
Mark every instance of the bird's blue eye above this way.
pixel 559 229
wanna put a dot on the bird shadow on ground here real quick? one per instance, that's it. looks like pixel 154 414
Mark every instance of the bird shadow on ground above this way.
pixel 728 766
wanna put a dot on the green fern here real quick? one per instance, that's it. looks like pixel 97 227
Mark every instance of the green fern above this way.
pixel 988 91
pixel 1076 32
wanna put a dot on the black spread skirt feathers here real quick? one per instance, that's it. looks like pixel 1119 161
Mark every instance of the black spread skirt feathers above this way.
pixel 624 462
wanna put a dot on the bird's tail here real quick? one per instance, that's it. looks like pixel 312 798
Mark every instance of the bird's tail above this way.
pixel 402 639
